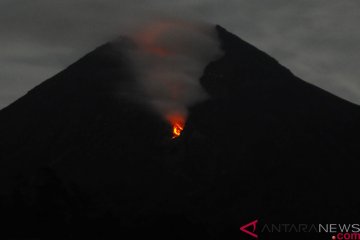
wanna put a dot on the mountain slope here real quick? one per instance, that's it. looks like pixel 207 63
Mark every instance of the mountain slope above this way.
pixel 266 144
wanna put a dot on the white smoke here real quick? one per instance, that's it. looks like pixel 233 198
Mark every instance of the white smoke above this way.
pixel 169 59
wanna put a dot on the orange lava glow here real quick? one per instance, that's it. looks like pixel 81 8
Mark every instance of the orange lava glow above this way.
pixel 177 128
pixel 177 122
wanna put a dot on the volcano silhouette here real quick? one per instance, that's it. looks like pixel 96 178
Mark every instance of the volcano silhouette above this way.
pixel 82 157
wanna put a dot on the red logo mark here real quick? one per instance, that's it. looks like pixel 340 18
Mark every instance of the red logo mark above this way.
pixel 252 233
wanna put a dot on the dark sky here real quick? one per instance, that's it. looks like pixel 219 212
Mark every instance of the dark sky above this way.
pixel 319 40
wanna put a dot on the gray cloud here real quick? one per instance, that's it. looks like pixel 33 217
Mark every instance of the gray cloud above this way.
pixel 169 59
pixel 318 39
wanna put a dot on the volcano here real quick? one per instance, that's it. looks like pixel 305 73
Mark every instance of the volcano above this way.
pixel 81 156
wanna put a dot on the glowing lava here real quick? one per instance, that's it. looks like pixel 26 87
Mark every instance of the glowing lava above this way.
pixel 177 128
pixel 177 122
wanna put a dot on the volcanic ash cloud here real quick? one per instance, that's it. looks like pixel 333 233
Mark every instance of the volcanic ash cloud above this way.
pixel 169 59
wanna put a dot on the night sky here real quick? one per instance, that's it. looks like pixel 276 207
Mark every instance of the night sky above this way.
pixel 318 39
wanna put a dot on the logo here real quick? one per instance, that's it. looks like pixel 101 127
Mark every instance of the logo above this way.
pixel 251 225
pixel 337 231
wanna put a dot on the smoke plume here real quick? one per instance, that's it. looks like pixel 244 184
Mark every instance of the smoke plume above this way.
pixel 169 59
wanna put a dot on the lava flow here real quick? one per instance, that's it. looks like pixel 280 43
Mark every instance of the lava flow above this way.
pixel 177 122
pixel 177 128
